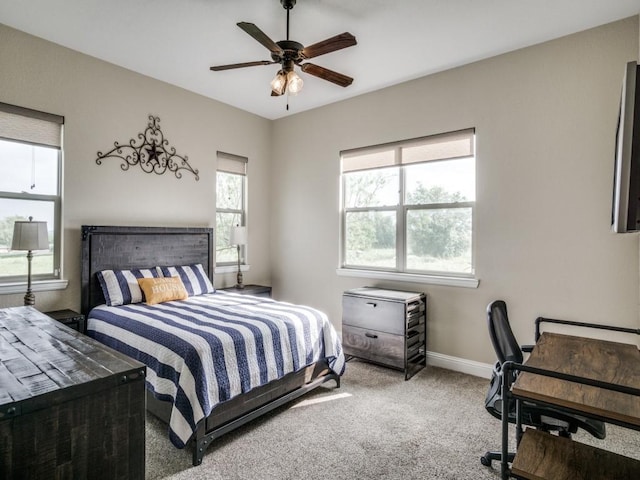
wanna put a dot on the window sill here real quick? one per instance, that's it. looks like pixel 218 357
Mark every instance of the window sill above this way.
pixel 466 282
pixel 38 286
pixel 231 269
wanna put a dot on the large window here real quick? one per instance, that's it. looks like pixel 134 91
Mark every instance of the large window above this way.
pixel 231 184
pixel 30 156
pixel 407 207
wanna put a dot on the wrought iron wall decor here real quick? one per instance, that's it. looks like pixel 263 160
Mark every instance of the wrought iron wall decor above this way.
pixel 151 151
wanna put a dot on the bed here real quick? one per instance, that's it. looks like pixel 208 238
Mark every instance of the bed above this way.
pixel 252 354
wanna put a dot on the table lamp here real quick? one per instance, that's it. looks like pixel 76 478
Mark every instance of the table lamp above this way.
pixel 29 236
pixel 238 237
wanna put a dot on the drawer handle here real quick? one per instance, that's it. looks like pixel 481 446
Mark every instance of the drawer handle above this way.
pixel 372 305
pixel 370 335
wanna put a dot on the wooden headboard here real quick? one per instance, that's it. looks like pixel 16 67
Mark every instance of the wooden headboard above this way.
pixel 120 248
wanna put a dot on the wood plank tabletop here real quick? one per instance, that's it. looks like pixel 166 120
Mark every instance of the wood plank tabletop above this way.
pixel 44 361
pixel 611 362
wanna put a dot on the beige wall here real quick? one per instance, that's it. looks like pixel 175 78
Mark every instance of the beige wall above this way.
pixel 103 103
pixel 545 120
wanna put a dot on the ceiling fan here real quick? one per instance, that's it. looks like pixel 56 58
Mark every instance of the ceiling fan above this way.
pixel 289 53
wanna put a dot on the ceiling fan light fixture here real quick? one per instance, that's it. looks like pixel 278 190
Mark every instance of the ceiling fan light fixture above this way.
pixel 294 83
pixel 289 53
pixel 279 83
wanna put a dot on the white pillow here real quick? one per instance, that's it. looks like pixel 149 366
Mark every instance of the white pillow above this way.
pixel 120 287
pixel 195 280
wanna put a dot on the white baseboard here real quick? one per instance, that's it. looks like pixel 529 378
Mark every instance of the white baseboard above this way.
pixel 462 365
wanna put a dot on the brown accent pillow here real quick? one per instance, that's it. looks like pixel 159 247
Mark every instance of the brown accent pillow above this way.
pixel 158 290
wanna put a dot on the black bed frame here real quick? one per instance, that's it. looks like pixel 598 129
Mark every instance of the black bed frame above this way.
pixel 121 247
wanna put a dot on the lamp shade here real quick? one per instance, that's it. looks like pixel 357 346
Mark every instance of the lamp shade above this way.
pixel 28 235
pixel 238 235
pixel 294 83
pixel 279 83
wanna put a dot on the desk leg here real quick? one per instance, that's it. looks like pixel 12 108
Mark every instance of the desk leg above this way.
pixel 504 460
pixel 518 422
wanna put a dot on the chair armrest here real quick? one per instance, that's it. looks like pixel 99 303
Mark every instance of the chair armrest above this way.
pixel 527 348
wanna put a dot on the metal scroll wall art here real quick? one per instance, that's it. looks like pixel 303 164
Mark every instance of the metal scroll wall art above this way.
pixel 151 151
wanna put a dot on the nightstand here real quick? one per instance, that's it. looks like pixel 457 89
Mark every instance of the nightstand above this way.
pixel 70 318
pixel 255 290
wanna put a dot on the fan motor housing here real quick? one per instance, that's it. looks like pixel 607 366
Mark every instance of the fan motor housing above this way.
pixel 292 51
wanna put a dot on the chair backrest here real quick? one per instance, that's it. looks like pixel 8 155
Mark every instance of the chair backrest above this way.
pixel 502 338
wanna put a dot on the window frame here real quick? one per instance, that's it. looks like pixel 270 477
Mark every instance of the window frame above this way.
pixel 401 210
pixel 9 283
pixel 233 165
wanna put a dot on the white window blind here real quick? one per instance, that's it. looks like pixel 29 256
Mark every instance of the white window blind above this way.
pixel 30 126
pixel 445 146
pixel 227 162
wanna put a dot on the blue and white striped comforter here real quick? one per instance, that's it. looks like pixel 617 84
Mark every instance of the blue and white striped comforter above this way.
pixel 210 348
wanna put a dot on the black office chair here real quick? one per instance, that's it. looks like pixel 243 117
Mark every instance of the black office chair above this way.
pixel 541 417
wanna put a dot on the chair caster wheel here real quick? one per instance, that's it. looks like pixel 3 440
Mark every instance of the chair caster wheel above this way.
pixel 485 461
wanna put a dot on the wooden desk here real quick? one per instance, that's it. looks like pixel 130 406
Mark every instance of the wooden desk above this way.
pixel 611 362
pixel 542 455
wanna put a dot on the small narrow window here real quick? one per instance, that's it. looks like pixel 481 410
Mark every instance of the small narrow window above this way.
pixel 231 186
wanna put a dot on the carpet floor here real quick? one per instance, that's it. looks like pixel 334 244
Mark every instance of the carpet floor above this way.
pixel 376 426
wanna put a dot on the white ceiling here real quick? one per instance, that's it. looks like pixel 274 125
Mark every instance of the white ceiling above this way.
pixel 398 40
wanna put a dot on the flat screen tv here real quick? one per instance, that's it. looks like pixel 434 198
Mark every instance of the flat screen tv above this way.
pixel 625 211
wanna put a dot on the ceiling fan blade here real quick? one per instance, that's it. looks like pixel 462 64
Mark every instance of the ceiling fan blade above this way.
pixel 332 44
pixel 240 65
pixel 326 74
pixel 261 37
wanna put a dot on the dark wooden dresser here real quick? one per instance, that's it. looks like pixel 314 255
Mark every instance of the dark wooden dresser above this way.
pixel 70 407
pixel 386 327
